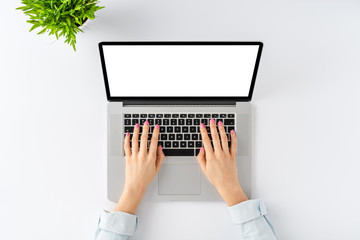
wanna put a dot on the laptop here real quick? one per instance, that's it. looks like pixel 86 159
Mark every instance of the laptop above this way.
pixel 178 85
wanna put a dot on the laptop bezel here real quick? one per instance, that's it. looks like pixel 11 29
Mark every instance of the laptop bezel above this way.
pixel 177 98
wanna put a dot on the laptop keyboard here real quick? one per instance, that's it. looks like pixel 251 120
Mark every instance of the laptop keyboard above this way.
pixel 179 132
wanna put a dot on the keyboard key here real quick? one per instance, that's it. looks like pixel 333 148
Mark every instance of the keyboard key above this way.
pixel 230 128
pixel 191 115
pixel 135 115
pixel 167 115
pixel 158 121
pixel 183 144
pixel 181 122
pixel 214 115
pixel 229 122
pixel 177 129
pixel 179 136
pixel 193 129
pixel 142 121
pixel 204 121
pixel 161 143
pixel 222 115
pixel 218 120
pixel 163 137
pixel 162 129
pixel 127 115
pixel 197 151
pixel 170 129
pixel 173 121
pixel 175 115
pixel 159 115
pixel 186 136
pixel 168 144
pixel 151 115
pixel 175 144
pixel 165 121
pixel 185 129
pixel 178 152
pixel 135 121
pixel 189 122
pixel 199 115
pixel 208 129
pixel 183 115
pixel 143 115
pixel 149 136
pixel 191 144
pixel 194 137
pixel 151 121
pixel 231 115
pixel 196 121
pixel 207 115
pixel 198 144
pixel 127 121
pixel 171 136
pixel 129 129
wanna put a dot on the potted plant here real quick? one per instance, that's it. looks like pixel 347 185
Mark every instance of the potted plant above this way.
pixel 60 17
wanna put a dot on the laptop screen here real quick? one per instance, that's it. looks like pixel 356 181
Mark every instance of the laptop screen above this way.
pixel 180 70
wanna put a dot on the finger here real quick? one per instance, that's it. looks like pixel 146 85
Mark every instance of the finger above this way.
pixel 144 138
pixel 206 140
pixel 224 139
pixel 233 143
pixel 127 145
pixel 135 139
pixel 215 136
pixel 159 158
pixel 154 140
pixel 201 159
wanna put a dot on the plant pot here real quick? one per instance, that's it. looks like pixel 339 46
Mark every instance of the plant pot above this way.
pixel 86 22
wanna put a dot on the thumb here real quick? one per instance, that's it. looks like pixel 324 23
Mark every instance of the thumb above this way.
pixel 201 159
pixel 159 157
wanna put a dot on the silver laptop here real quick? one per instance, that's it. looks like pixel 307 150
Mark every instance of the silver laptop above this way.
pixel 178 85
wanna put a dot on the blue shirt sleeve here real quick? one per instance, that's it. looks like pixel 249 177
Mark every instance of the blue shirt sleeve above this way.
pixel 116 226
pixel 251 217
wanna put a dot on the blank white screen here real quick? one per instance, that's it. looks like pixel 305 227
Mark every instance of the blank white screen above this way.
pixel 180 70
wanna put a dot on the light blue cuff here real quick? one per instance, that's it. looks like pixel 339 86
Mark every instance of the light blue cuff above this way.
pixel 118 222
pixel 247 211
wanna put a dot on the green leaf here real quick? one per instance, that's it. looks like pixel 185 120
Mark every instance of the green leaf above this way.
pixel 42 31
pixel 34 26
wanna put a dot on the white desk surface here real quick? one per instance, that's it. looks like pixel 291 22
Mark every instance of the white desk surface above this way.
pixel 306 119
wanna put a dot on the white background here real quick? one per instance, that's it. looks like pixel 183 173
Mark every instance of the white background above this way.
pixel 180 70
pixel 306 119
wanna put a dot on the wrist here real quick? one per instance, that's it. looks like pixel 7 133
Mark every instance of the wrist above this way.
pixel 233 194
pixel 130 200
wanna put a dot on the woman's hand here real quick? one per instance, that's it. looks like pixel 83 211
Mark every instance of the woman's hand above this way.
pixel 219 163
pixel 141 167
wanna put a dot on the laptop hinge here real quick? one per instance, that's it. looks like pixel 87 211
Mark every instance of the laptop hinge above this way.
pixel 174 102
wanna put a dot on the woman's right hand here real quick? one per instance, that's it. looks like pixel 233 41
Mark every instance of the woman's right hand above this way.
pixel 219 163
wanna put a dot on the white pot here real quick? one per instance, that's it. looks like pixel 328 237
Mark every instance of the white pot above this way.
pixel 84 24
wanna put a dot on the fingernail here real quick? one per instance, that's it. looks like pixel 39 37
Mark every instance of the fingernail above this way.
pixel 232 131
pixel 220 123
pixel 202 125
pixel 137 125
pixel 160 147
pixel 157 126
pixel 201 149
pixel 127 134
pixel 146 123
pixel 212 120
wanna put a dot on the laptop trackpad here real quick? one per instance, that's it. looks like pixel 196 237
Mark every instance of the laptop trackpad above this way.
pixel 179 179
